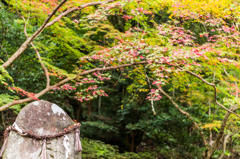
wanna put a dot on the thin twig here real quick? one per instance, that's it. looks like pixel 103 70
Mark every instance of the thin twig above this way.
pixel 215 92
pixel 35 49
pixel 225 71
pixel 149 85
pixel 182 111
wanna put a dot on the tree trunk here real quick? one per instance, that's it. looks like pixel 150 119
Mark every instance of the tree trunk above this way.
pixel 89 105
pixel 212 149
pixel 231 146
pixel 132 141
pixel 225 138
pixel 79 112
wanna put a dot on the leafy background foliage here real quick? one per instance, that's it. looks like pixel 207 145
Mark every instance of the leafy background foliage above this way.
pixel 125 123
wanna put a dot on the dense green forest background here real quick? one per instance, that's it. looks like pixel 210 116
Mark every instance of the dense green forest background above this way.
pixel 125 123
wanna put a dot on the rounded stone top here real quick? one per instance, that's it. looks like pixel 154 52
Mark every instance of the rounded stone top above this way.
pixel 43 118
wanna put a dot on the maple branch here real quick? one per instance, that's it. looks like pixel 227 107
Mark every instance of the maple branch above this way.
pixel 225 138
pixel 43 66
pixel 216 143
pixel 215 92
pixel 37 52
pixel 48 88
pixel 37 95
pixel 185 113
pixel 226 72
pixel 210 149
pixel 24 46
pixel 75 9
pixel 182 111
pixel 46 24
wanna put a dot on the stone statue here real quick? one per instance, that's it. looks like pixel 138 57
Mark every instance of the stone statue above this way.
pixel 42 130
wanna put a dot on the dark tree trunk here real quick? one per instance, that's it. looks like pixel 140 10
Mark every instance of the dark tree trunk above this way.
pixel 79 112
pixel 210 150
pixel 132 141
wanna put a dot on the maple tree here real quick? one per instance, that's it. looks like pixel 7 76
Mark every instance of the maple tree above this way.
pixel 198 47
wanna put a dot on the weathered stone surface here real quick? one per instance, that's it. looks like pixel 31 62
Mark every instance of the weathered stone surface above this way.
pixel 42 118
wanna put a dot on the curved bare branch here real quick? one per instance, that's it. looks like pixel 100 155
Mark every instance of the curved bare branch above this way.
pixel 76 9
pixel 37 52
pixel 215 92
pixel 48 88
pixel 46 24
pixel 24 46
pixel 185 113
pixel 182 111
